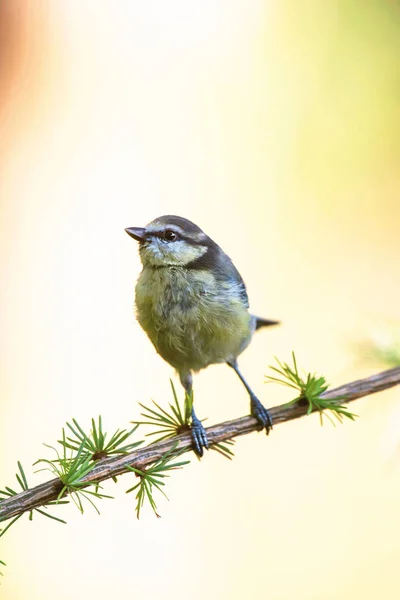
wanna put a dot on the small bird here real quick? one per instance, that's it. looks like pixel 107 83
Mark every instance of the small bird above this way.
pixel 192 303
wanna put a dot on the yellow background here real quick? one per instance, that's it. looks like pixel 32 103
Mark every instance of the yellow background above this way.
pixel 274 126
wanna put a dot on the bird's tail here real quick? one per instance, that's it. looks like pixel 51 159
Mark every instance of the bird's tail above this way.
pixel 260 322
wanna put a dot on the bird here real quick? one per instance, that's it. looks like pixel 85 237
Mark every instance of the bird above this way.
pixel 193 305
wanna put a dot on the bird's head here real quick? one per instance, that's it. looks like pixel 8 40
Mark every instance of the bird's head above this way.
pixel 170 241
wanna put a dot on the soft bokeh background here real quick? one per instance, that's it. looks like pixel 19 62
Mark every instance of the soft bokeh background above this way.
pixel 274 125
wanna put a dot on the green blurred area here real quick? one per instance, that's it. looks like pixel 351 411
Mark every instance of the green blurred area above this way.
pixel 344 57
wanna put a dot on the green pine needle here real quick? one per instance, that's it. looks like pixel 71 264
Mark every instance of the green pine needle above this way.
pixel 80 451
pixel 70 469
pixel 10 524
pixel 152 477
pixel 222 448
pixel 96 443
pixel 310 389
pixel 168 424
pixel 9 492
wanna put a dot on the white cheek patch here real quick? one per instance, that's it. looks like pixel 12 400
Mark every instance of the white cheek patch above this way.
pixel 186 253
pixel 179 253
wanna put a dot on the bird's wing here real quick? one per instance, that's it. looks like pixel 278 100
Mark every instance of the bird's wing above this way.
pixel 220 265
pixel 229 272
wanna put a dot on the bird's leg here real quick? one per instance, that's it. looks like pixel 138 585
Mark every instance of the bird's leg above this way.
pixel 199 436
pixel 257 409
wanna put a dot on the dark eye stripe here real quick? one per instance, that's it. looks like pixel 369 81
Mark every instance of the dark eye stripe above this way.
pixel 158 234
pixel 167 235
pixel 179 236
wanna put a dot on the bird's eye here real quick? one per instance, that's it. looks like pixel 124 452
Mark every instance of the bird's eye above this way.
pixel 169 235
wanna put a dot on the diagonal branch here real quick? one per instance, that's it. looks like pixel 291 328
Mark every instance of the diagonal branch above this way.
pixel 141 458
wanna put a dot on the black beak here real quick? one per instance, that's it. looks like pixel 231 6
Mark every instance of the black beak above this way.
pixel 138 233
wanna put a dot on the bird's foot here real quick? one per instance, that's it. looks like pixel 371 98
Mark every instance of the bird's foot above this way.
pixel 199 436
pixel 259 411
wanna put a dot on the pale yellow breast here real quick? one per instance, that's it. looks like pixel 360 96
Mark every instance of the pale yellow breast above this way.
pixel 192 319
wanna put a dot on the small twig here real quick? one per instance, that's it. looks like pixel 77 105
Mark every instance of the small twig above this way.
pixel 142 457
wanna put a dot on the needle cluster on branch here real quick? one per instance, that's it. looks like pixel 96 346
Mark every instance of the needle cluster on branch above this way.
pixel 139 460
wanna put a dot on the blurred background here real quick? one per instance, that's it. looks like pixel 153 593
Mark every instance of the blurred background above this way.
pixel 275 126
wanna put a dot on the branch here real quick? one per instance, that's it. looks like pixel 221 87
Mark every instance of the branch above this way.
pixel 141 458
